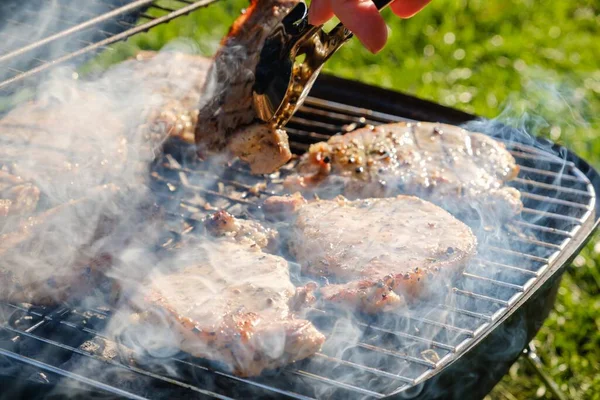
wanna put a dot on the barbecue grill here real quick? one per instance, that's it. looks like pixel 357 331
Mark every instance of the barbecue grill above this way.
pixel 459 348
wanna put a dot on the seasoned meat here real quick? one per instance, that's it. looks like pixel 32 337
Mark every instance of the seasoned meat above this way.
pixel 58 254
pixel 221 223
pixel 77 135
pixel 377 252
pixel 458 170
pixel 48 144
pixel 264 148
pixel 227 119
pixel 229 302
pixel 178 79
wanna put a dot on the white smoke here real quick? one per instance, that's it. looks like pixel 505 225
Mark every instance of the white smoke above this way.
pixel 80 135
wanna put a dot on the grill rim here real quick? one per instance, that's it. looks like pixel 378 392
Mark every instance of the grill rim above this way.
pixel 129 7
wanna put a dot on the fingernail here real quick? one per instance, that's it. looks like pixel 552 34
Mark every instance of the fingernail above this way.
pixel 374 47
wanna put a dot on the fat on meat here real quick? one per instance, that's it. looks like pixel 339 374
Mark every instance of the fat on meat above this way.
pixel 223 224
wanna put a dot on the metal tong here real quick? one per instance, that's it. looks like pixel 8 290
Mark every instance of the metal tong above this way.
pixel 290 61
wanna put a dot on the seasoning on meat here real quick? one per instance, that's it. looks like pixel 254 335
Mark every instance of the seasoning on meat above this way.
pixel 378 253
pixel 463 172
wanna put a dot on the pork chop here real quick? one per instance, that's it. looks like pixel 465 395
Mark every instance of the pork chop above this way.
pixel 463 172
pixel 58 254
pixel 178 79
pixel 80 134
pixel 48 143
pixel 227 301
pixel 379 253
pixel 227 118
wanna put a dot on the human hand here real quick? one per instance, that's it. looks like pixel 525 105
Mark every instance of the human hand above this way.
pixel 362 17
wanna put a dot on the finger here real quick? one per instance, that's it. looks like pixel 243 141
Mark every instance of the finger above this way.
pixel 320 11
pixel 363 19
pixel 408 8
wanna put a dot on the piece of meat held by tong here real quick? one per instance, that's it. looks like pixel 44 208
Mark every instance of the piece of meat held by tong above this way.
pixel 377 254
pixel 260 77
pixel 227 119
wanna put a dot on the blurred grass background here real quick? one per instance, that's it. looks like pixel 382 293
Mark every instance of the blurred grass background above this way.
pixel 531 63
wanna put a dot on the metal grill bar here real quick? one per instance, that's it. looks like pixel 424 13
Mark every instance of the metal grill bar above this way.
pixel 342 385
pixel 93 47
pixel 374 371
pixel 552 200
pixel 77 28
pixel 529 225
pixel 61 372
pixel 414 338
pixel 527 210
pixel 466 312
pixel 397 355
pixel 509 267
pixel 494 282
pixel 503 303
pixel 552 174
pixel 557 188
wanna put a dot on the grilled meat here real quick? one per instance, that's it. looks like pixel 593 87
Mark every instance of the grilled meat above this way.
pixel 379 252
pixel 458 170
pixel 263 147
pixel 17 197
pixel 221 223
pixel 47 143
pixel 73 137
pixel 227 116
pixel 229 302
pixel 59 254
pixel 77 135
pixel 178 79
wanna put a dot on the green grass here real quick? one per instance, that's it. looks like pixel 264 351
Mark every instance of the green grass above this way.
pixel 531 63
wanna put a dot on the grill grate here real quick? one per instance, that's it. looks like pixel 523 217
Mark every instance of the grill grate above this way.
pixel 68 30
pixel 559 205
